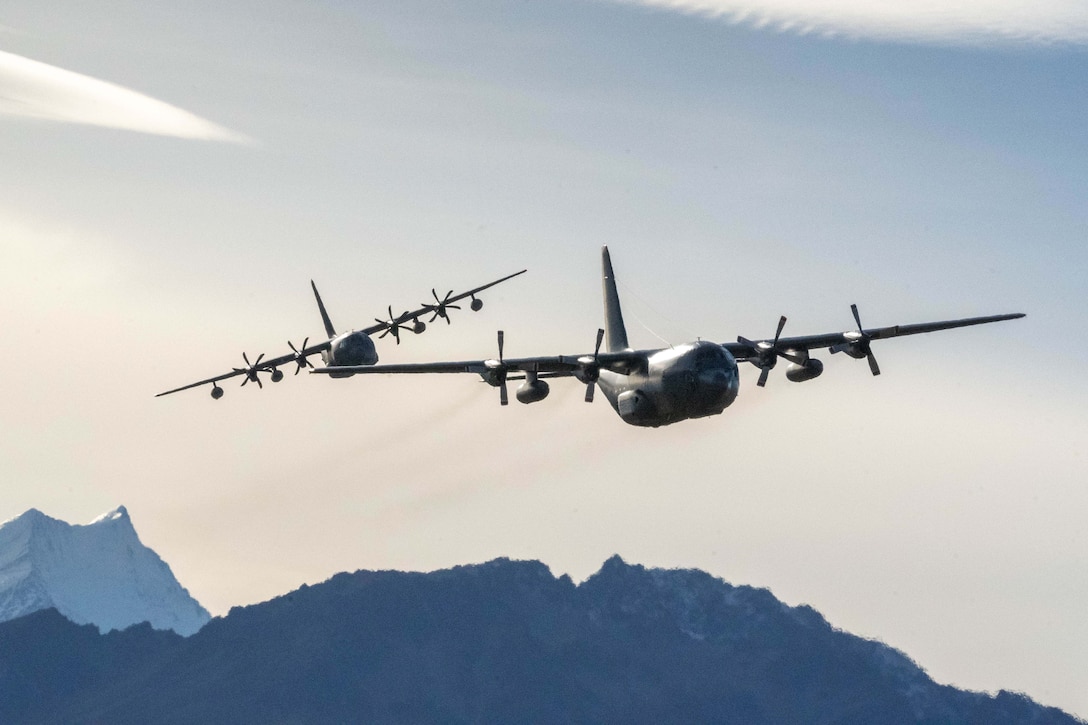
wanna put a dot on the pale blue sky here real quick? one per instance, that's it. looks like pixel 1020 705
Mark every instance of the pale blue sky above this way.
pixel 736 173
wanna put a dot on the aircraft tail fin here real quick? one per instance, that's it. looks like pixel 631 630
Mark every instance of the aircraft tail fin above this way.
pixel 615 332
pixel 329 329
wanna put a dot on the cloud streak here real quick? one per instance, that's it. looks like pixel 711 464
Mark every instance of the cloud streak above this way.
pixel 957 22
pixel 31 89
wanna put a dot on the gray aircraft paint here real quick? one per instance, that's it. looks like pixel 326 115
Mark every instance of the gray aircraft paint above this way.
pixel 688 381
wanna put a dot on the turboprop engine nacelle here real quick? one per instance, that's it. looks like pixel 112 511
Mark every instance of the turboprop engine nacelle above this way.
pixel 852 349
pixel 532 391
pixel 806 371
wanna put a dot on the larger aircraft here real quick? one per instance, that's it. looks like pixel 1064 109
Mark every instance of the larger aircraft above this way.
pixel 666 385
pixel 346 352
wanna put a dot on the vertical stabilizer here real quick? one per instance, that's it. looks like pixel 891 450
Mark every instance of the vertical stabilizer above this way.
pixel 616 333
pixel 329 329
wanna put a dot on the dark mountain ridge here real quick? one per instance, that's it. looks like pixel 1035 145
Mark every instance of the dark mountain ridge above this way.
pixel 498 642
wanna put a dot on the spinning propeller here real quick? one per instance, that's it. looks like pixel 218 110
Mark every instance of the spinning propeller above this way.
pixel 300 358
pixel 393 325
pixel 858 345
pixel 250 371
pixel 439 310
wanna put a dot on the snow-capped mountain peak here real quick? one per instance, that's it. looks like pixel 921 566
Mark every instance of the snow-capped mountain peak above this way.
pixel 116 515
pixel 99 573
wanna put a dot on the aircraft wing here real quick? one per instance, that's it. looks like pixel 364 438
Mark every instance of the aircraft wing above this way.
pixel 261 364
pixel 438 309
pixel 268 365
pixel 629 360
pixel 551 366
pixel 856 341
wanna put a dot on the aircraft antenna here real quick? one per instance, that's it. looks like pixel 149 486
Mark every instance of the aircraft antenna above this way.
pixel 627 291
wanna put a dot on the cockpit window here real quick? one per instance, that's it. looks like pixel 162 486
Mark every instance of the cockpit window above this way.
pixel 709 355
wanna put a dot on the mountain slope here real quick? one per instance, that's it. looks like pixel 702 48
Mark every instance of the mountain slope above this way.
pixel 98 574
pixel 494 643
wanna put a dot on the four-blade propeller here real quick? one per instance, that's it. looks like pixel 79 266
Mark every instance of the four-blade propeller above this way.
pixel 767 353
pixel 591 368
pixel 859 344
pixel 496 374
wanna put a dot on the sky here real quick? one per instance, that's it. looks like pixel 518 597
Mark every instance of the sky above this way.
pixel 175 174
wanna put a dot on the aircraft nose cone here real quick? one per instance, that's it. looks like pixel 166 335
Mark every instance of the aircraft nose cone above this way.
pixel 714 379
pixel 716 384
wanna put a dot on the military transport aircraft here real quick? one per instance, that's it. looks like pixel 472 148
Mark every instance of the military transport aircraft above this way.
pixel 347 349
pixel 662 386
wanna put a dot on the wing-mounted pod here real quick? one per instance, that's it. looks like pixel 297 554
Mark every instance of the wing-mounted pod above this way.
pixel 807 370
pixel 495 372
pixel 533 390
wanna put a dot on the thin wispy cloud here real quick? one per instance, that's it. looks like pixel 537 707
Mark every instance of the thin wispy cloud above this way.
pixel 940 21
pixel 31 89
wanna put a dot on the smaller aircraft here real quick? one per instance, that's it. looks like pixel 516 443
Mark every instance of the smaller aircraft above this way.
pixel 347 349
pixel 666 385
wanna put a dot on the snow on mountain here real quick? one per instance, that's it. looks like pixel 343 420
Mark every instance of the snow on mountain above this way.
pixel 99 573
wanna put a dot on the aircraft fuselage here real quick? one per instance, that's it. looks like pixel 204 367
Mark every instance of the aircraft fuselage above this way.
pixel 350 348
pixel 687 381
